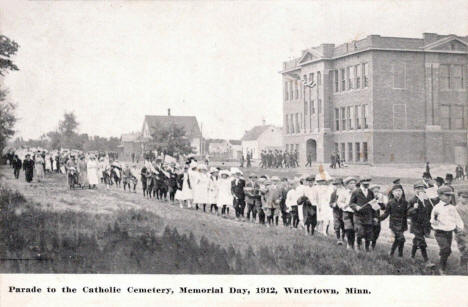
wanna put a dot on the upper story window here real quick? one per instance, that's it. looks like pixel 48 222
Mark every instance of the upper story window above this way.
pixel 349 75
pixel 286 123
pixel 343 80
pixel 337 81
pixel 399 116
pixel 365 116
pixel 452 117
pixel 365 75
pixel 311 77
pixel 343 119
pixel 319 78
pixel 337 119
pixel 399 75
pixel 286 93
pixel 357 76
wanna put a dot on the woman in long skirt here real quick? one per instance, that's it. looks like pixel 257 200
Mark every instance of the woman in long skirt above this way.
pixel 39 168
pixel 185 194
pixel 200 188
pixel 225 197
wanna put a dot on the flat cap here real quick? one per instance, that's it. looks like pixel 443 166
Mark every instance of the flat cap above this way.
pixel 445 190
pixel 349 179
pixel 419 184
pixel 338 181
pixel 365 179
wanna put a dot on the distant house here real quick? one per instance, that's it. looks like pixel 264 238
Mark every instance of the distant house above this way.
pixel 188 123
pixel 260 138
pixel 220 149
pixel 130 143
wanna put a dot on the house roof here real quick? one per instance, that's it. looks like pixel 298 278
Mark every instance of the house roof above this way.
pixel 255 132
pixel 189 123
pixel 130 137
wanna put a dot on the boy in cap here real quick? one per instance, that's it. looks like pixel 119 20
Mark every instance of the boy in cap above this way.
pixel 419 209
pixel 252 195
pixel 448 182
pixel 363 212
pixel 445 220
pixel 397 209
pixel 343 202
pixel 380 202
pixel 461 236
pixel 309 209
pixel 338 224
pixel 237 189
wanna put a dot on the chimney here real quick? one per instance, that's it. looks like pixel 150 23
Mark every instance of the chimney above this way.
pixel 168 112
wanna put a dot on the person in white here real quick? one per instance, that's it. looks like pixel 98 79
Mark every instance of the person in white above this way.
pixel 343 199
pixel 291 203
pixel 225 197
pixel 185 195
pixel 321 199
pixel 445 220
pixel 213 190
pixel 200 188
pixel 93 172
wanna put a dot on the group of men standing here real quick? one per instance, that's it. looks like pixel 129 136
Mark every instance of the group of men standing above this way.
pixel 279 159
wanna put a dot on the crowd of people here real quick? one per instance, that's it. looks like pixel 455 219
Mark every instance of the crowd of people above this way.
pixel 350 208
pixel 279 159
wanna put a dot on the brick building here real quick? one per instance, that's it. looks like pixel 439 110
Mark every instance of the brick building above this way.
pixel 379 100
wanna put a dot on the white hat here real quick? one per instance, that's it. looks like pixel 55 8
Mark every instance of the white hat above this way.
pixel 224 172
pixel 193 164
pixel 213 170
pixel 275 178
pixel 235 170
pixel 202 167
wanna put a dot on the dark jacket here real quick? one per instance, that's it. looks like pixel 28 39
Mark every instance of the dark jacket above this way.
pixel 365 214
pixel 238 189
pixel 398 212
pixel 420 217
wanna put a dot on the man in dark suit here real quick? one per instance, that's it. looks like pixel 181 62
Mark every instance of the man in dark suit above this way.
pixel 237 189
pixel 364 214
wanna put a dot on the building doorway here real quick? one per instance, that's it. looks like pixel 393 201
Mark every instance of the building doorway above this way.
pixel 311 150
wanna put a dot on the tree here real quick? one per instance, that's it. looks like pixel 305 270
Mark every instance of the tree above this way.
pixel 68 125
pixel 171 140
pixel 8 48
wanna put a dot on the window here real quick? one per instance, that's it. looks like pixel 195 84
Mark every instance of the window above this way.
pixel 357 115
pixel 357 77
pixel 311 77
pixel 444 77
pixel 337 120
pixel 365 116
pixel 343 119
pixel 296 90
pixel 286 96
pixel 312 107
pixel 306 107
pixel 452 117
pixel 343 80
pixel 357 147
pixel 286 123
pixel 365 75
pixel 319 78
pixel 350 152
pixel 399 75
pixel 291 90
pixel 364 152
pixel 319 102
pixel 457 120
pixel 456 74
pixel 297 123
pixel 343 151
pixel 348 118
pixel 337 82
pixel 399 116
pixel 349 75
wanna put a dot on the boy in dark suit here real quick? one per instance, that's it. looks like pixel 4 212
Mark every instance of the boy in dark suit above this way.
pixel 364 214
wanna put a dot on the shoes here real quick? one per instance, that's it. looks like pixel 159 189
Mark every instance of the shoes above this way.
pixel 340 242
pixel 430 265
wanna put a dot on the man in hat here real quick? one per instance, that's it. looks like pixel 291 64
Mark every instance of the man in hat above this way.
pixel 363 212
pixel 237 188
pixel 448 182
pixel 419 209
pixel 28 167
pixel 462 236
pixel 338 224
pixel 445 220
pixel 252 196
pixel 16 164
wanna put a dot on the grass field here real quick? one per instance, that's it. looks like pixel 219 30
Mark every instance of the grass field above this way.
pixel 113 231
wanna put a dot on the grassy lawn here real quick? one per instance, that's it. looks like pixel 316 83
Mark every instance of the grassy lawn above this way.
pixel 119 232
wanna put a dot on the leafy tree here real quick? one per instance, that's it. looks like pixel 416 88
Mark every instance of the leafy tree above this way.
pixel 171 140
pixel 68 125
pixel 8 48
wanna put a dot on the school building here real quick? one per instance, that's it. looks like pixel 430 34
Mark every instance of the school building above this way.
pixel 379 100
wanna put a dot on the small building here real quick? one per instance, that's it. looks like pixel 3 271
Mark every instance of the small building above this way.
pixel 130 143
pixel 259 138
pixel 188 123
pixel 223 150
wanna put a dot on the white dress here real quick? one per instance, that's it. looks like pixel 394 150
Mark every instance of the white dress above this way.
pixel 213 190
pixel 93 172
pixel 186 193
pixel 48 165
pixel 224 192
pixel 200 189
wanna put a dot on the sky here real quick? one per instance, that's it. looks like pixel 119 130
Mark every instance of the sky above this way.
pixel 113 62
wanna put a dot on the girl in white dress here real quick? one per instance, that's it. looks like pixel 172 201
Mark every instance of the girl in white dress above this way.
pixel 185 195
pixel 200 188
pixel 213 190
pixel 225 197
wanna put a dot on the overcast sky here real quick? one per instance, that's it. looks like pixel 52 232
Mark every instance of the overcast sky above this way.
pixel 112 62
